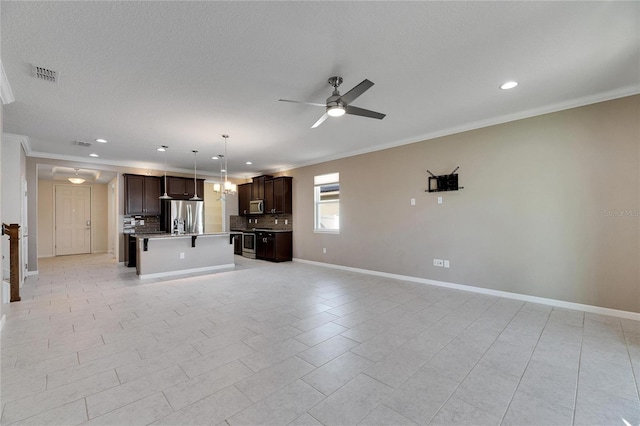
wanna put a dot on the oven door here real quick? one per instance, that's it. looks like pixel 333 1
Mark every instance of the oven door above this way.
pixel 249 245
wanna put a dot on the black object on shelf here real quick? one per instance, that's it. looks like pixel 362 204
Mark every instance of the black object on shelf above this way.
pixel 444 182
pixel 193 240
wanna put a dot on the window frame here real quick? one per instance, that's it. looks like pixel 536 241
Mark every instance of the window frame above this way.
pixel 319 181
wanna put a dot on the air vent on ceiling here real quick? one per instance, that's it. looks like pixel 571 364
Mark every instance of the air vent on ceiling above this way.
pixel 82 143
pixel 44 74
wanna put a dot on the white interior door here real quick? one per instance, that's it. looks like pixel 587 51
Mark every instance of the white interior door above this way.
pixel 73 219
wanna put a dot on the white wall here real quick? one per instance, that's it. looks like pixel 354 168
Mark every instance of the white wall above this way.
pixel 13 172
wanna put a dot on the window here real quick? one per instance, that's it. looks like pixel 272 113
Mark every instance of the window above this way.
pixel 327 202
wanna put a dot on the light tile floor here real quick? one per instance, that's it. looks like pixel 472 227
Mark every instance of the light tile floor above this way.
pixel 295 344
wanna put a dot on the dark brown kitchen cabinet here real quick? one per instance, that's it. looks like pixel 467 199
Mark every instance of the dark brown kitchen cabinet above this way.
pixel 184 188
pixel 237 244
pixel 130 254
pixel 278 195
pixel 244 198
pixel 257 187
pixel 274 246
pixel 141 195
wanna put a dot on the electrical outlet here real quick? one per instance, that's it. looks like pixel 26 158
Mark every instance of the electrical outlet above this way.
pixel 446 263
pixel 413 201
pixel 181 255
pixel 439 200
pixel 324 250
pixel 276 221
pixel 286 221
pixel 438 262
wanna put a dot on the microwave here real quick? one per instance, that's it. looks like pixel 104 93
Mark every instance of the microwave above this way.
pixel 256 207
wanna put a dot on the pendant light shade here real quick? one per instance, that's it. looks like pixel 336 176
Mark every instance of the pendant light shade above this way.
pixel 195 182
pixel 166 196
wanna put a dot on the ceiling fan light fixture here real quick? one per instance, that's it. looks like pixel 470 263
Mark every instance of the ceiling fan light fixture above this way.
pixel 336 111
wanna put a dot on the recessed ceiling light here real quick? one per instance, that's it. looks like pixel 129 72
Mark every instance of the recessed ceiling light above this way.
pixel 223 170
pixel 162 148
pixel 215 157
pixel 100 140
pixel 509 85
pixel 94 155
pixel 248 163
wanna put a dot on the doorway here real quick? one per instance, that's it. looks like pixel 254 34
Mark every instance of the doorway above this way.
pixel 73 220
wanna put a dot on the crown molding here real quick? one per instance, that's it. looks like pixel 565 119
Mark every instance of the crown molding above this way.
pixel 114 163
pixel 22 140
pixel 6 94
pixel 561 106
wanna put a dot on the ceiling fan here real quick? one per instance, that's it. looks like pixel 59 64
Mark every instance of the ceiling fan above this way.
pixel 338 105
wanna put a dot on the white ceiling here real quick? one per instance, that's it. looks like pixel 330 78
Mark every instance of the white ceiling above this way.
pixel 144 74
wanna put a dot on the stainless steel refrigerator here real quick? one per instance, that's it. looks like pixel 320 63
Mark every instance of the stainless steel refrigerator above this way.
pixel 183 217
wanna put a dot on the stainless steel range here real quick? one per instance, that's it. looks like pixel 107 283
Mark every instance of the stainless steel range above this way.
pixel 249 244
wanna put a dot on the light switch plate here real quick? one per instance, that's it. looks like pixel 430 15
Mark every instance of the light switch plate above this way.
pixel 439 200
pixel 413 201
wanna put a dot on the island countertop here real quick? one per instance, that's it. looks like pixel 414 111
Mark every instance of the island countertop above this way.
pixel 161 255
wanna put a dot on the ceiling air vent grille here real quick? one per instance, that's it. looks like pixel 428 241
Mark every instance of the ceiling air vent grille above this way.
pixel 82 143
pixel 44 74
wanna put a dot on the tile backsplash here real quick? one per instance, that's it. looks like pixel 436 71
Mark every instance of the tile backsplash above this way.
pixel 262 221
pixel 140 224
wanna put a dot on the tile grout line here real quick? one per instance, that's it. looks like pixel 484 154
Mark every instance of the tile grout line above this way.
pixel 476 363
pixel 634 373
pixel 575 401
pixel 528 362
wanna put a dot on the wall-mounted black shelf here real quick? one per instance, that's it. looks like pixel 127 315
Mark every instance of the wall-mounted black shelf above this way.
pixel 444 182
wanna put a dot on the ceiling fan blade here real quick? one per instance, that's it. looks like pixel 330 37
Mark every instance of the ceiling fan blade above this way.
pixel 300 102
pixel 320 120
pixel 364 112
pixel 354 93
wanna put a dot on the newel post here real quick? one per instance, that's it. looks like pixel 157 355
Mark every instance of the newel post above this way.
pixel 13 231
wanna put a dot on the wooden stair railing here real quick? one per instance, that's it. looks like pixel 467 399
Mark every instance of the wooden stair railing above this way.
pixel 13 231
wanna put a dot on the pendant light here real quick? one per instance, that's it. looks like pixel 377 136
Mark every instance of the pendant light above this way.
pixel 195 182
pixel 76 180
pixel 166 196
pixel 227 187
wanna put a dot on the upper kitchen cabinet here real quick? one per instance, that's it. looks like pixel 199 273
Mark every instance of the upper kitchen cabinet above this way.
pixel 278 195
pixel 141 195
pixel 244 198
pixel 184 188
pixel 257 187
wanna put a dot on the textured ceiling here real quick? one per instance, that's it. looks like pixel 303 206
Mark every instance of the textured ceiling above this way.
pixel 144 74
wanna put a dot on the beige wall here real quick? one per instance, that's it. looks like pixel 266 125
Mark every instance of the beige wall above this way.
pixel 531 219
pixel 46 218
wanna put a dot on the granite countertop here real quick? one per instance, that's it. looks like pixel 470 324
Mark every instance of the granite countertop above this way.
pixel 261 230
pixel 167 235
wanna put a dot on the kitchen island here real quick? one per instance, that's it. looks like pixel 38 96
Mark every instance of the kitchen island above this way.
pixel 161 255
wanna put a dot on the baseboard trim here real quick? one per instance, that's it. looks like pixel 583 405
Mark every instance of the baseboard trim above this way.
pixel 30 273
pixel 523 297
pixel 187 271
